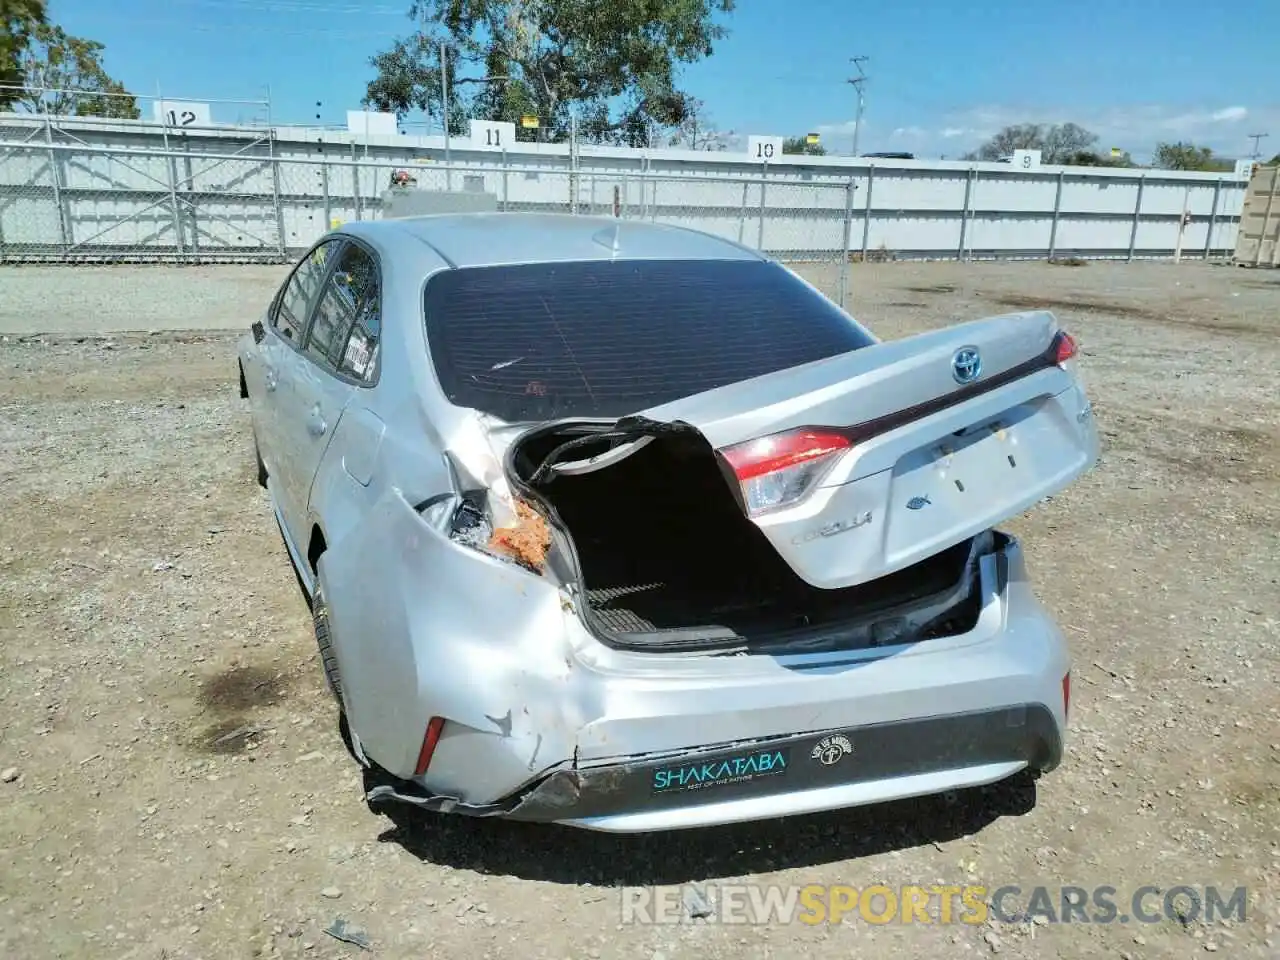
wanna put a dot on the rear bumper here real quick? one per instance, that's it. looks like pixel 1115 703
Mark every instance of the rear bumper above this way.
pixel 784 776
pixel 629 743
pixel 817 771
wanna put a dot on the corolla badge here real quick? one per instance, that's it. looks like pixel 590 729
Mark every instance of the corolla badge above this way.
pixel 966 365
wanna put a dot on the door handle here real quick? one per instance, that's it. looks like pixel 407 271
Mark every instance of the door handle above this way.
pixel 316 424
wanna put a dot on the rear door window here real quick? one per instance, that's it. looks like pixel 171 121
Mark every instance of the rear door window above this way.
pixel 301 292
pixel 345 327
pixel 609 338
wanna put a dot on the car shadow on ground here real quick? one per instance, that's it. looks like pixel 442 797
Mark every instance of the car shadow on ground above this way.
pixel 573 856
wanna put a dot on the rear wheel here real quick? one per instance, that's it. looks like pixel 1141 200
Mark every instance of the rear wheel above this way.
pixel 320 619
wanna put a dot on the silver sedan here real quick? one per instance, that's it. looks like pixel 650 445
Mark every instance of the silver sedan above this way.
pixel 628 527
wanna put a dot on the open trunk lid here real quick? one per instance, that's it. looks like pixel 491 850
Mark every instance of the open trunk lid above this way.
pixel 864 463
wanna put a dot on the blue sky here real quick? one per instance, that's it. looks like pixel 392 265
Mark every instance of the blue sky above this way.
pixel 943 75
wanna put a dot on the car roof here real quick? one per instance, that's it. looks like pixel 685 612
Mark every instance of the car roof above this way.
pixel 497 239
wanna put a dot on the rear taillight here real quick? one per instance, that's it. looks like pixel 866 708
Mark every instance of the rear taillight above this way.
pixel 1064 347
pixel 779 470
pixel 429 740
pixel 1066 694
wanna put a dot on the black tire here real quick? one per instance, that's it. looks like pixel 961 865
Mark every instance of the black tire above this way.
pixel 320 619
pixel 262 467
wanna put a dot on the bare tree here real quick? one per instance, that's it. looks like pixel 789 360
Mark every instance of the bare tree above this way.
pixel 1057 143
pixel 698 131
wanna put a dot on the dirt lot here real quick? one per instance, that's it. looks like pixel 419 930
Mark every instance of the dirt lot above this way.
pixel 175 785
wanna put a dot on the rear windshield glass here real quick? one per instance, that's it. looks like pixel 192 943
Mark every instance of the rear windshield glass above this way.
pixel 610 338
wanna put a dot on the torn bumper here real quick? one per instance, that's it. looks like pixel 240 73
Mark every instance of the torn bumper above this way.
pixel 543 722
pixel 782 776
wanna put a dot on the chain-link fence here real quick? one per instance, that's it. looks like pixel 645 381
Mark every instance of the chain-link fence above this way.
pixel 62 200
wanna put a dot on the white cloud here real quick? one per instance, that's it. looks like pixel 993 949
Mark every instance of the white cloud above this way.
pixel 1135 128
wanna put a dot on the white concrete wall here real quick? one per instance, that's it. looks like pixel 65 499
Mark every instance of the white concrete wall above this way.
pixel 91 188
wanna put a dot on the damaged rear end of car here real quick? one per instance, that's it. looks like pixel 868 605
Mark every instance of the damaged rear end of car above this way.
pixel 777 586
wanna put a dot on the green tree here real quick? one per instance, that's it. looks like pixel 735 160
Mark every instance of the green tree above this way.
pixel 1187 156
pixel 802 145
pixel 1091 158
pixel 56 62
pixel 18 20
pixel 1274 161
pixel 613 64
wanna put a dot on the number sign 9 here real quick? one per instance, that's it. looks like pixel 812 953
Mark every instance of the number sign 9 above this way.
pixel 1026 159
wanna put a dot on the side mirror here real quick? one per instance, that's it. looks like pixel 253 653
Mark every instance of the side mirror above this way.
pixel 258 331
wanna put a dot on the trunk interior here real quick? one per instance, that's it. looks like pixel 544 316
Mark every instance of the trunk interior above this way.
pixel 669 561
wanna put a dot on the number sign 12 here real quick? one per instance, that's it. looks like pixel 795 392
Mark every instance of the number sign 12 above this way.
pixel 180 113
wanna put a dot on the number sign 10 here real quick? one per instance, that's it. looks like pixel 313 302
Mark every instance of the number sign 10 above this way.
pixel 764 149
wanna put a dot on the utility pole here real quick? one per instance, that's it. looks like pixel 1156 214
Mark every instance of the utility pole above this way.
pixel 859 83
pixel 1256 137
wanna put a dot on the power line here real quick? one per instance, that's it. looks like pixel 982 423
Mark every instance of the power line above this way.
pixel 859 83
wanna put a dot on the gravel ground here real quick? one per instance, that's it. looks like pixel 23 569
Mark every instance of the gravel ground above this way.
pixel 173 782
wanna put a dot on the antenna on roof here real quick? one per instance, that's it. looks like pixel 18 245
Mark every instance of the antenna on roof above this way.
pixel 610 238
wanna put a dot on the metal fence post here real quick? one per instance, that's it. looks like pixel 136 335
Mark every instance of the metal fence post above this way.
pixel 171 164
pixel 764 176
pixel 189 179
pixel 742 214
pixel 1137 210
pixel 1057 209
pixel 275 190
pixel 506 170
pixel 64 228
pixel 1183 217
pixel 573 163
pixel 964 214
pixel 1213 219
pixel 324 186
pixel 644 185
pixel 355 188
pixel 844 245
pixel 866 212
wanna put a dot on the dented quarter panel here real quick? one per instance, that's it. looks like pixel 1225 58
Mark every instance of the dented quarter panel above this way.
pixel 437 629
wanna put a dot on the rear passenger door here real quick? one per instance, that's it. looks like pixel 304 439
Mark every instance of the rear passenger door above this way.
pixel 337 358
pixel 286 327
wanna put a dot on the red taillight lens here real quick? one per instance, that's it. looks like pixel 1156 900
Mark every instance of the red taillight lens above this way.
pixel 434 726
pixel 777 471
pixel 1066 694
pixel 1064 347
